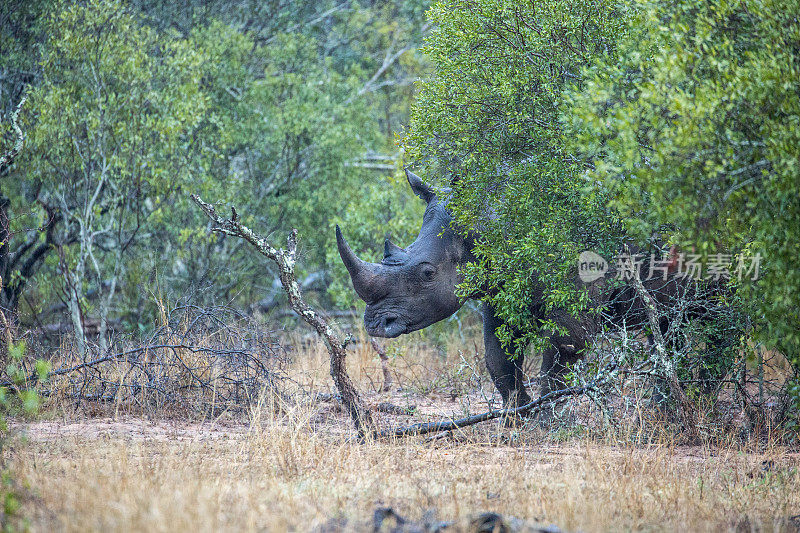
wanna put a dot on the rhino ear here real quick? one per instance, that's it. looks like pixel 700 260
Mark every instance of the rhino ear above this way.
pixel 420 188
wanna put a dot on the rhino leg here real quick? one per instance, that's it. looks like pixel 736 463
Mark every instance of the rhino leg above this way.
pixel 565 349
pixel 506 373
pixel 555 360
pixel 562 352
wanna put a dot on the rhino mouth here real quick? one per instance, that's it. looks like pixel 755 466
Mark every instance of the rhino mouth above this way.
pixel 389 326
pixel 387 333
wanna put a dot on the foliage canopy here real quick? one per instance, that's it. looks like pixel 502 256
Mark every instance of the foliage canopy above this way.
pixel 695 125
pixel 489 122
pixel 133 105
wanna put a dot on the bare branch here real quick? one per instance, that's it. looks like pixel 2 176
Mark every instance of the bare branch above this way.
pixel 285 261
pixel 318 18
pixel 388 61
pixel 529 408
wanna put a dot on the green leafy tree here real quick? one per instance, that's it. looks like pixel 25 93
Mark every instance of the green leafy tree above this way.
pixel 695 126
pixel 287 132
pixel 115 110
pixel 286 109
pixel 26 227
pixel 298 124
pixel 21 30
pixel 488 122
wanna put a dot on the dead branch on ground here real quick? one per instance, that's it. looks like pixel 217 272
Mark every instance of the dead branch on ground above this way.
pixel 530 408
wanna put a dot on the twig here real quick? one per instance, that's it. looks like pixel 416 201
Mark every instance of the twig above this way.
pixel 33 378
pixel 319 18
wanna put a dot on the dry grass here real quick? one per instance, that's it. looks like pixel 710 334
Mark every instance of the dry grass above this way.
pixel 294 466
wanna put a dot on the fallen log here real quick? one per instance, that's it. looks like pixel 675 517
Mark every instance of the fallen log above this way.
pixel 529 408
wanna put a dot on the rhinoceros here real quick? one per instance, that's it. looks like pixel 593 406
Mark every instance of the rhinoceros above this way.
pixel 414 287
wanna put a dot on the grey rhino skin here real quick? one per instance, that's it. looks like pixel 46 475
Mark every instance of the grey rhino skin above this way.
pixel 414 287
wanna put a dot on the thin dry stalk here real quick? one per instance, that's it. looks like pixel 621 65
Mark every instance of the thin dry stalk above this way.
pixel 387 375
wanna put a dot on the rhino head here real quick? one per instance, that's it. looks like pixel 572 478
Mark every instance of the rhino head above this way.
pixel 413 287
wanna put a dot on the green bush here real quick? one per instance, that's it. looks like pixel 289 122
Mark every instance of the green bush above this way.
pixel 15 399
pixel 488 123
pixel 695 124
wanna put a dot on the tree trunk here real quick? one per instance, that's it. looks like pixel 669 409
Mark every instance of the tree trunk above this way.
pixel 105 302
pixel 105 305
pixel 72 281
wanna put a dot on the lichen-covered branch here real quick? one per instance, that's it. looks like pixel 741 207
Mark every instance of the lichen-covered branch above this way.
pixel 663 362
pixel 8 158
pixel 285 261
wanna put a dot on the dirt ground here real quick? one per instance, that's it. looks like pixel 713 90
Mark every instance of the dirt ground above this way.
pixel 279 474
pixel 296 467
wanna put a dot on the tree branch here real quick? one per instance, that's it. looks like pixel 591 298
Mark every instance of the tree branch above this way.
pixel 8 158
pixel 529 408
pixel 388 61
pixel 285 261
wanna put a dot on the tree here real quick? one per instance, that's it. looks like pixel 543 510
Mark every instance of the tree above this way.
pixel 694 127
pixel 298 120
pixel 285 108
pixel 27 226
pixel 115 111
pixel 21 29
pixel 19 258
pixel 489 123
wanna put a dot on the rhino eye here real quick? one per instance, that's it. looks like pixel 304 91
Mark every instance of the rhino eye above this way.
pixel 428 272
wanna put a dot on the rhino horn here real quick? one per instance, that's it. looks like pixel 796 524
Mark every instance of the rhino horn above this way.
pixel 420 188
pixel 365 276
pixel 390 249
